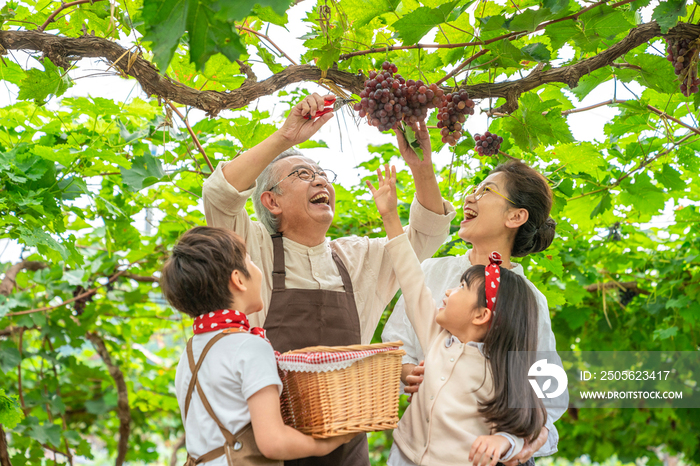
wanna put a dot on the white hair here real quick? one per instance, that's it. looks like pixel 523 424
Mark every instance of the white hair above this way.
pixel 269 176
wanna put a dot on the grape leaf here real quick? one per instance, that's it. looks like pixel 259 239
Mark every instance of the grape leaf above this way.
pixel 667 13
pixel 364 11
pixel 233 10
pixel 413 26
pixel 10 411
pixel 537 51
pixel 210 35
pixel 165 24
pixel 145 170
pixel 528 20
pixel 555 6
pixel 37 85
pixel 410 136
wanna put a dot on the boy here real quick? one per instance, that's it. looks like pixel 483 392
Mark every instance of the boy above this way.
pixel 235 385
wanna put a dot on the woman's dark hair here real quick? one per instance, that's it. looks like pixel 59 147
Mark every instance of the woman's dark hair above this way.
pixel 195 278
pixel 513 327
pixel 528 189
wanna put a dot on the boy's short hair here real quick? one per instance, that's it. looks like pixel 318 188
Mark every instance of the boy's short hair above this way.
pixel 196 276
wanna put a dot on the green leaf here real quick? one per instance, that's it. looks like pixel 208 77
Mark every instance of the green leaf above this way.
pixel 670 178
pixel 37 85
pixel 310 144
pixel 210 35
pixel 46 433
pixel 364 11
pixel 665 333
pixel 165 24
pixel 528 20
pixel 667 13
pixel 600 23
pixel 410 136
pixel 646 198
pixel 604 204
pixel 145 171
pixel 269 60
pixel 269 15
pixel 413 26
pixel 10 411
pixel 579 157
pixel 555 6
pixel 537 51
pixel 590 81
pixel 233 10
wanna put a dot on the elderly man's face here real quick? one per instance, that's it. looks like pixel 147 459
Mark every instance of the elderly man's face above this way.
pixel 304 204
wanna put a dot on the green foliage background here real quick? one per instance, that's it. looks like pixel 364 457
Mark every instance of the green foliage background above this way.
pixel 75 172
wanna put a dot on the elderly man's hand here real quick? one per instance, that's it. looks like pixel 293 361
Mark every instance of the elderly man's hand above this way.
pixel 414 379
pixel 297 129
pixel 529 449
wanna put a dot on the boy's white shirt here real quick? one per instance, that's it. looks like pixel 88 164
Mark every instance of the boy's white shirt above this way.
pixel 236 367
pixel 441 424
pixel 444 273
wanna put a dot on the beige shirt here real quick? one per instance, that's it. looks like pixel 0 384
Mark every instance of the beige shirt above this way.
pixel 442 421
pixel 368 264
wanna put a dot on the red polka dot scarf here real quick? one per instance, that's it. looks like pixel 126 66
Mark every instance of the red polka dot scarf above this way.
pixel 493 278
pixel 223 319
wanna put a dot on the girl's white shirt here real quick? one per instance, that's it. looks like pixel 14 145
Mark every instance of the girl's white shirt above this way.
pixel 444 273
pixel 236 367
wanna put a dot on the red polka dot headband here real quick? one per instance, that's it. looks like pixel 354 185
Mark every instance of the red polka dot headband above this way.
pixel 492 278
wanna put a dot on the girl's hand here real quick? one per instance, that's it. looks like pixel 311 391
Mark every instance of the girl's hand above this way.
pixel 297 129
pixel 488 449
pixel 407 152
pixel 384 195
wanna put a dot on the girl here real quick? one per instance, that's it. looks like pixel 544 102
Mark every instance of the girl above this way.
pixel 507 212
pixel 465 395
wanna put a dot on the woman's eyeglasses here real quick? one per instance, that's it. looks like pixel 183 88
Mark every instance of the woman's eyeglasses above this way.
pixel 479 191
pixel 308 175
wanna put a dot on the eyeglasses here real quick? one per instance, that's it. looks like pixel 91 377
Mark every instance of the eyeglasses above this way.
pixel 308 175
pixel 479 191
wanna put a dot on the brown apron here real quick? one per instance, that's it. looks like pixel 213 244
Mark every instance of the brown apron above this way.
pixel 240 449
pixel 300 318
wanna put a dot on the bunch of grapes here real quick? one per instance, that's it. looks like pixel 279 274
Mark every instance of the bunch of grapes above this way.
pixel 684 58
pixel 420 98
pixel 453 110
pixel 488 143
pixel 383 98
pixel 388 99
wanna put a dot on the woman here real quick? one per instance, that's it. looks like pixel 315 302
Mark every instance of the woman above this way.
pixel 509 213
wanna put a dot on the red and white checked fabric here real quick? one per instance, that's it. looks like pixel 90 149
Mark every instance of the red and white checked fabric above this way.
pixel 324 362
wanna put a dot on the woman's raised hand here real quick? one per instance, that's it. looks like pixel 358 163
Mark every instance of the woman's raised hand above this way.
pixel 297 129
pixel 385 193
pixel 423 138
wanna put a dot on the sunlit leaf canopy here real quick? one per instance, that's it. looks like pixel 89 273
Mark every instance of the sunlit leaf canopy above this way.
pixel 88 347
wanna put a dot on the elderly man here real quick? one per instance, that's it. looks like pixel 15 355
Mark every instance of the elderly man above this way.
pixel 317 291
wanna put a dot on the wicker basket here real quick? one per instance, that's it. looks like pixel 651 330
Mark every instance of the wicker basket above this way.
pixel 361 398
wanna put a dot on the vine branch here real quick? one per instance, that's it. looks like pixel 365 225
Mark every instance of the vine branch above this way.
pixel 194 136
pixel 8 283
pixel 123 411
pixel 58 49
pixel 63 6
pixel 83 295
pixel 4 454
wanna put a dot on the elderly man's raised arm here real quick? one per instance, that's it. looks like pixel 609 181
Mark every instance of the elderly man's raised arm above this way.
pixel 242 171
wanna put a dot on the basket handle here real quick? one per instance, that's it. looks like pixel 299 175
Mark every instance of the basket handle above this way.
pixel 342 349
